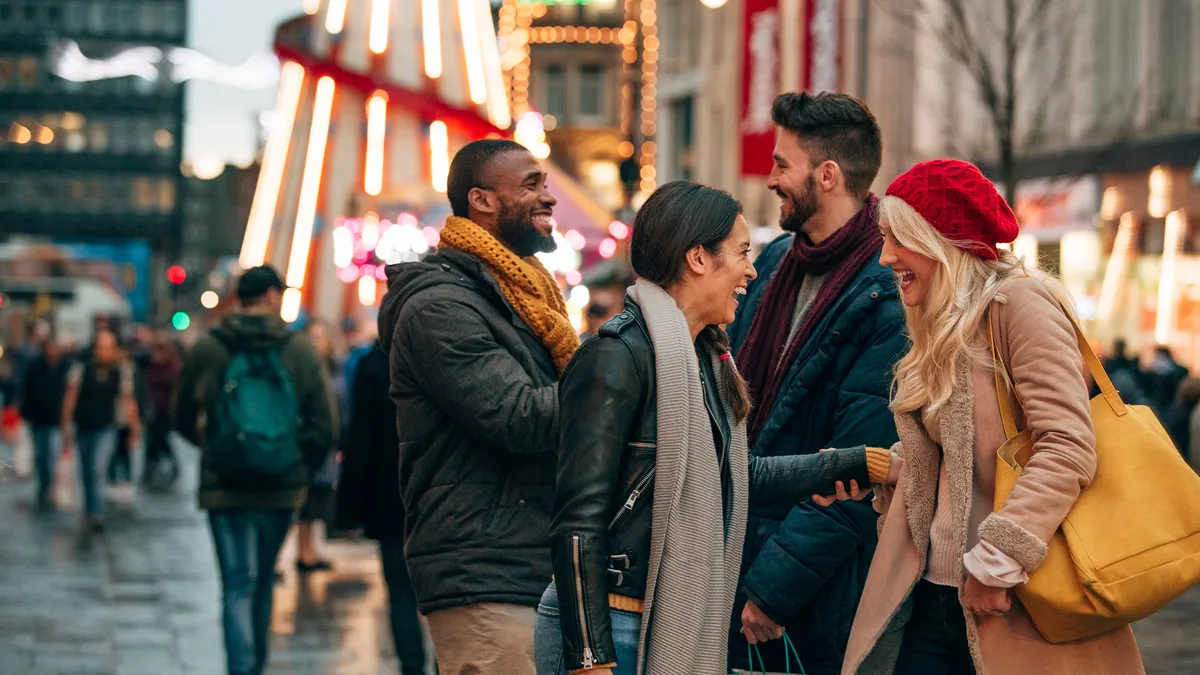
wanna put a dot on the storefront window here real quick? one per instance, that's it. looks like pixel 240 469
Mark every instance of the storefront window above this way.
pixel 98 18
pixel 591 92
pixel 172 18
pixel 27 72
pixel 8 73
pixel 142 195
pixel 683 138
pixel 166 194
pixel 555 87
pixel 75 17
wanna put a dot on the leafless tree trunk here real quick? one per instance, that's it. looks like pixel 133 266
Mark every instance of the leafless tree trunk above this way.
pixel 996 42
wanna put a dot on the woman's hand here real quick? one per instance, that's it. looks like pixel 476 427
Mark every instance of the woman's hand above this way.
pixel 841 495
pixel 985 600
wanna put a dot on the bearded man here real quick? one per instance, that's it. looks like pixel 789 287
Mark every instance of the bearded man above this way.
pixel 477 336
pixel 816 338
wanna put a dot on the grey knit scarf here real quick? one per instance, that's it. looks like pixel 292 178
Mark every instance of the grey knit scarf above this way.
pixel 694 563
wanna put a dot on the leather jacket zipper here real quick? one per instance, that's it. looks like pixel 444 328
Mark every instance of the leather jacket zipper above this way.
pixel 638 489
pixel 577 554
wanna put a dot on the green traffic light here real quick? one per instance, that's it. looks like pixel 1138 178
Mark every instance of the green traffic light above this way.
pixel 181 321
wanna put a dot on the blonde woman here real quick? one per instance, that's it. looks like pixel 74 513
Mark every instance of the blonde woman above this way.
pixel 938 598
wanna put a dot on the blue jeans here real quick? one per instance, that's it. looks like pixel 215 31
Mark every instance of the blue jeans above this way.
pixel 95 447
pixel 247 543
pixel 47 441
pixel 935 639
pixel 547 637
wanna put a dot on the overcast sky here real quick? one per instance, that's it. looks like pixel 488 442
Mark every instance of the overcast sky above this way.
pixel 222 121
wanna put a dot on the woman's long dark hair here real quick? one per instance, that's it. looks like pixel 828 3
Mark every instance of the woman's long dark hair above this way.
pixel 677 218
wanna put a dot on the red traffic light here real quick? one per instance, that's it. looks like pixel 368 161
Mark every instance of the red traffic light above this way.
pixel 176 274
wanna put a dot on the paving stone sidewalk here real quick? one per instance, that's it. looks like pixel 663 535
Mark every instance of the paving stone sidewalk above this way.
pixel 143 598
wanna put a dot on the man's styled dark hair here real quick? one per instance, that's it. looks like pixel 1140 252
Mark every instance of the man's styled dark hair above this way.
pixel 834 127
pixel 468 167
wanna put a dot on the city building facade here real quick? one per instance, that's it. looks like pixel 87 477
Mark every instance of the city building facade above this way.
pixel 91 124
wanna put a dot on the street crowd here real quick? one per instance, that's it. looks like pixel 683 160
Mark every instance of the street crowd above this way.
pixel 784 465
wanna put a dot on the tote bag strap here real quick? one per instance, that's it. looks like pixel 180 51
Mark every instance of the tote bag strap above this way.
pixel 1107 390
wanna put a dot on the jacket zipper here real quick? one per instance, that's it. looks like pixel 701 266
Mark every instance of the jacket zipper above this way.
pixel 577 554
pixel 632 499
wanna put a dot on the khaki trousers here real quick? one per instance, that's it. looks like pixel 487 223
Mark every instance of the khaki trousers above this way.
pixel 484 639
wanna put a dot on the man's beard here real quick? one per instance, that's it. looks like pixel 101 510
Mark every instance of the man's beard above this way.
pixel 518 231
pixel 803 207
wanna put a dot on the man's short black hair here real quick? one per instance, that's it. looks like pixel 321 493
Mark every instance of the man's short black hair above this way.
pixel 468 167
pixel 834 127
pixel 256 281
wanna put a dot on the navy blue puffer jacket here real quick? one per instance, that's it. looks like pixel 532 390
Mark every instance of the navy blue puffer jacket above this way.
pixel 805 566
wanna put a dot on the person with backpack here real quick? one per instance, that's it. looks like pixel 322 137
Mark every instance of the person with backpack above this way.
pixel 254 396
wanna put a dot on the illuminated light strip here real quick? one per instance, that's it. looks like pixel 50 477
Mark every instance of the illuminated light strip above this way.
pixel 366 291
pixel 1164 319
pixel 581 34
pixel 376 133
pixel 468 22
pixel 378 39
pixel 310 183
pixel 291 305
pixel 431 36
pixel 504 29
pixel 649 103
pixel 270 177
pixel 1114 273
pixel 439 154
pixel 312 6
pixel 497 100
pixel 335 16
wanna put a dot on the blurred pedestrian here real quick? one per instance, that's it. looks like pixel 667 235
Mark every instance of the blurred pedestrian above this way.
pixel 162 369
pixel 98 386
pixel 254 396
pixel 368 498
pixel 1162 376
pixel 126 460
pixel 477 336
pixel 319 504
pixel 42 395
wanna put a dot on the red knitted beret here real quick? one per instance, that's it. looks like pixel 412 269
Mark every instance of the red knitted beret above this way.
pixel 960 202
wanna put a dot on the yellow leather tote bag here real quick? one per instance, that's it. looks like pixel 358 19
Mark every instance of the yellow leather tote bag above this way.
pixel 1131 542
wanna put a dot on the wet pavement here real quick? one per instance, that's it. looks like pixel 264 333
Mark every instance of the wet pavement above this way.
pixel 143 598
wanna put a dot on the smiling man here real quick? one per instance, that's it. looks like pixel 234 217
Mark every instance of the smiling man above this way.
pixel 816 338
pixel 477 336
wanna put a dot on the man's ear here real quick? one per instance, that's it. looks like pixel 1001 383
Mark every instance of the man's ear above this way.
pixel 483 201
pixel 828 175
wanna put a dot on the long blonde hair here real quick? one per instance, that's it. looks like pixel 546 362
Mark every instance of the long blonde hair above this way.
pixel 944 327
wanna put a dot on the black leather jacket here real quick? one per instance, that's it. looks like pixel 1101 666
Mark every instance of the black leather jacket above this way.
pixel 600 528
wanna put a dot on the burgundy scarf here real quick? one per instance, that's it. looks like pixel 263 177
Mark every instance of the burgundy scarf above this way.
pixel 765 359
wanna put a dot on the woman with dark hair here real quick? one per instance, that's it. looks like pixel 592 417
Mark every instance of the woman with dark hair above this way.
pixel 654 476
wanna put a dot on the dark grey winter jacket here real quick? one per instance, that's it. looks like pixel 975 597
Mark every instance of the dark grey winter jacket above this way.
pixel 477 414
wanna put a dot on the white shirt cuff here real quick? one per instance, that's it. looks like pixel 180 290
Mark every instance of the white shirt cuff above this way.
pixel 993 567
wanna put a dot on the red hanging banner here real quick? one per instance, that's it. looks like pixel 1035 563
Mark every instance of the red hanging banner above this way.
pixel 760 84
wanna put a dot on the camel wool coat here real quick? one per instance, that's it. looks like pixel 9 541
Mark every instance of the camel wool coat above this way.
pixel 1039 345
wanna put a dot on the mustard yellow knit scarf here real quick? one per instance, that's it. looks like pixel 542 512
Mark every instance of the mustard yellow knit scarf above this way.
pixel 526 284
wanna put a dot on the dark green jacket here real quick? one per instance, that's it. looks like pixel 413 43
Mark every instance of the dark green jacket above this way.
pixel 196 396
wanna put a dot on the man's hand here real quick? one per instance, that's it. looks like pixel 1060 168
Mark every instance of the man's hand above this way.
pixel 985 600
pixel 758 627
